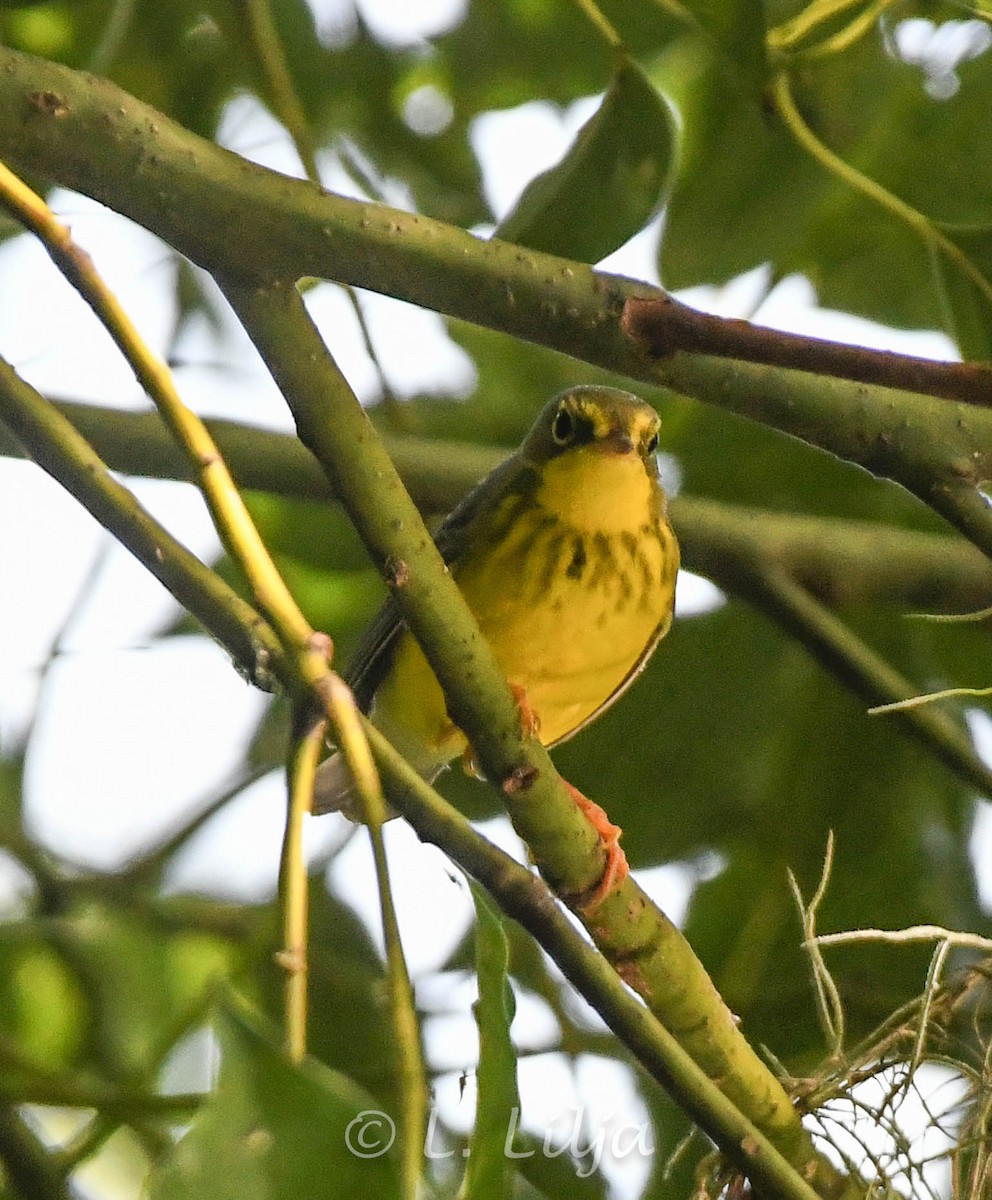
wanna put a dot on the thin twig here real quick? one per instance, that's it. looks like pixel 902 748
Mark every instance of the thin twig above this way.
pixel 526 898
pixel 921 225
pixel 350 735
pixel 278 82
pixel 914 933
pixel 812 14
pixel 55 444
pixel 227 509
pixel 305 750
pixel 828 1001
pixel 928 698
pixel 844 38
pixel 664 326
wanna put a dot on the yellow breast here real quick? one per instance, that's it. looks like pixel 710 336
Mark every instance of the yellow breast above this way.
pixel 574 583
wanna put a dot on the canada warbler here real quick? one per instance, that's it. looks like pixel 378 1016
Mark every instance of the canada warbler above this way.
pixel 566 557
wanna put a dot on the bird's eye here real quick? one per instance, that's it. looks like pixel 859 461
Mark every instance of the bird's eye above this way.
pixel 563 427
pixel 652 445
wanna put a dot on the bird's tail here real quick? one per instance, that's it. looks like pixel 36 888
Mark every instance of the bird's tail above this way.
pixel 334 788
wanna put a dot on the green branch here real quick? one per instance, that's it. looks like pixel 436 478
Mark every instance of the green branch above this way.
pixel 437 472
pixel 526 898
pixel 657 958
pixel 838 560
pixel 834 560
pixel 33 1174
pixel 277 80
pixel 866 673
pixel 87 134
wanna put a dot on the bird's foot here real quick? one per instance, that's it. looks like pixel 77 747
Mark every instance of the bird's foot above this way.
pixel 616 870
pixel 530 722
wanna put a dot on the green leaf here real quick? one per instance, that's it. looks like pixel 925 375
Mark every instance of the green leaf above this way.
pixel 487 1172
pixel 275 1131
pixel 747 193
pixel 968 305
pixel 713 447
pixel 316 533
pixel 737 29
pixel 144 987
pixel 610 182
pixel 743 190
pixel 43 1008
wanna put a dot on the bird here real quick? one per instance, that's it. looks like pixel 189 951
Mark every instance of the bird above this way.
pixel 566 558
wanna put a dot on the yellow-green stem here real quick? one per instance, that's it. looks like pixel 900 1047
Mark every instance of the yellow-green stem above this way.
pixel 226 507
pixel 304 755
pixel 793 31
pixel 354 746
pixel 927 231
pixel 278 81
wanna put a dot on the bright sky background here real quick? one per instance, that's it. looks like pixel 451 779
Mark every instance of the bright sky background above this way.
pixel 132 736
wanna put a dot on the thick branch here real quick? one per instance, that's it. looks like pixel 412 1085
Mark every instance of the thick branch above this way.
pixel 665 326
pixel 837 561
pixel 840 561
pixel 437 472
pixel 88 134
pixel 28 1166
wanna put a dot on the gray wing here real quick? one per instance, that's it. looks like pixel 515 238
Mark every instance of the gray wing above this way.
pixel 374 653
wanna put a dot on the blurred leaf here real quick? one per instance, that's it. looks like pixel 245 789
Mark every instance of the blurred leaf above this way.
pixel 609 183
pixel 272 1130
pixel 727 457
pixel 674 1164
pixel 43 1010
pixel 194 300
pixel 968 307
pixel 106 988
pixel 555 1173
pixel 747 194
pixel 143 988
pixel 503 55
pixel 315 533
pixel 743 191
pixel 11 796
pixel 487 1171
pixel 735 750
pixel 338 602
pixel 737 28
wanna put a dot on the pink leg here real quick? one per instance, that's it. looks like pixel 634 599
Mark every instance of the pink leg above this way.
pixel 530 722
pixel 617 869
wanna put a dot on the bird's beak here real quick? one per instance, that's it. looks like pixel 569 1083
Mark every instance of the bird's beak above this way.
pixel 617 443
